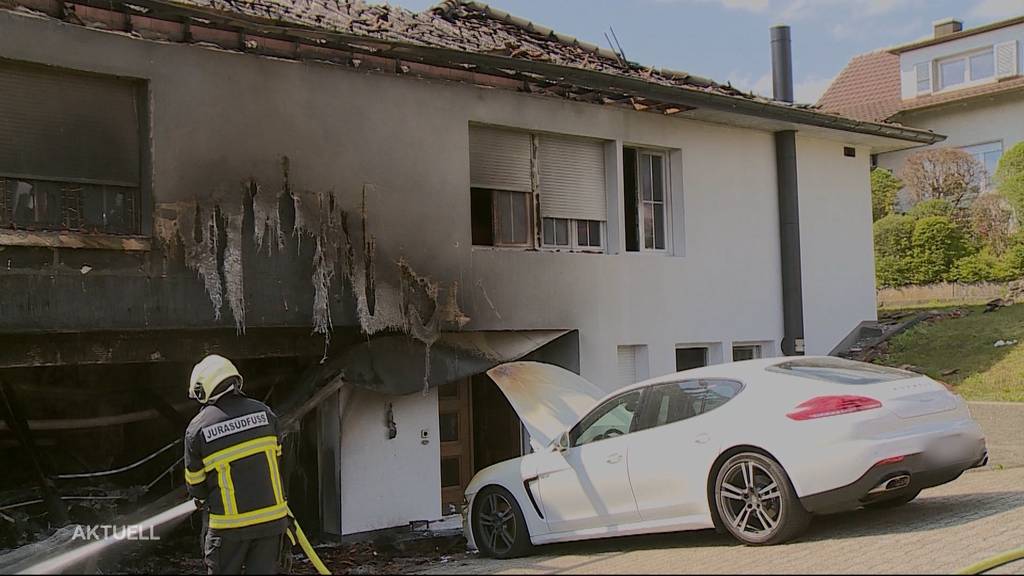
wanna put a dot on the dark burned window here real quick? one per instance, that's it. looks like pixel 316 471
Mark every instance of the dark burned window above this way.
pixel 500 202
pixel 69 151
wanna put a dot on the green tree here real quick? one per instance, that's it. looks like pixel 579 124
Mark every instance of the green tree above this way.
pixel 884 187
pixel 931 207
pixel 1009 177
pixel 894 264
pixel 937 244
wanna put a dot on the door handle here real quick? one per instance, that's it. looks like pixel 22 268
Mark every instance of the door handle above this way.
pixel 702 439
pixel 614 459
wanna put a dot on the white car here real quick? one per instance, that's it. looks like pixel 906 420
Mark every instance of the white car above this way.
pixel 754 448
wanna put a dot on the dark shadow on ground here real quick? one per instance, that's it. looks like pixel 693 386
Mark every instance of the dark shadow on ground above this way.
pixel 925 513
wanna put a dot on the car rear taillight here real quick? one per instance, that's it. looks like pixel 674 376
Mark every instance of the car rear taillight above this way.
pixel 824 406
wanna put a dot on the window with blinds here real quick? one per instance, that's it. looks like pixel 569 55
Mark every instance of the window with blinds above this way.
pixel 632 364
pixel 571 178
pixel 70 155
pixel 567 173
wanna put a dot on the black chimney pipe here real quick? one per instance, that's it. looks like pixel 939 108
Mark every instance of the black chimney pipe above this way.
pixel 789 201
pixel 782 64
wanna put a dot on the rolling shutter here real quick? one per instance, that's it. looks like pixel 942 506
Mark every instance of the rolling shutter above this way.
pixel 1006 59
pixel 67 126
pixel 572 178
pixel 500 159
pixel 627 365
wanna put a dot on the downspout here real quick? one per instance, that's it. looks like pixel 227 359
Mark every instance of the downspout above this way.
pixel 789 203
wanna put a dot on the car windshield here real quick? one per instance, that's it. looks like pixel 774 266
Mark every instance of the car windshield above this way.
pixel 841 371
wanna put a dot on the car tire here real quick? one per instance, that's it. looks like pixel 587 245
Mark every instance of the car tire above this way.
pixel 756 502
pixel 499 527
pixel 893 502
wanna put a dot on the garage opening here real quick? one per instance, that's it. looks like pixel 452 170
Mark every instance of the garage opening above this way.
pixel 478 428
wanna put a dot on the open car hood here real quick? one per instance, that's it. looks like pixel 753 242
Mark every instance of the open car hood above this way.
pixel 547 398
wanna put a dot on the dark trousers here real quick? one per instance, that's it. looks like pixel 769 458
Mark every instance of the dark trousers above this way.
pixel 252 556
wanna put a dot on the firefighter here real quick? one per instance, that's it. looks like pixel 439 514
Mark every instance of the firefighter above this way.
pixel 232 452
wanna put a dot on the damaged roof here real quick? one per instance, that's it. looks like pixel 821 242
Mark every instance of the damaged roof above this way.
pixel 465 35
pixel 463 25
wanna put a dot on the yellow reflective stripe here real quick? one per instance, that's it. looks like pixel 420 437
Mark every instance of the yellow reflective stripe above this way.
pixel 239 451
pixel 275 475
pixel 224 481
pixel 194 477
pixel 268 514
pixel 231 490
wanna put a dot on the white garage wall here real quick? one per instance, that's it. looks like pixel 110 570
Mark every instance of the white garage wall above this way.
pixel 835 241
pixel 386 482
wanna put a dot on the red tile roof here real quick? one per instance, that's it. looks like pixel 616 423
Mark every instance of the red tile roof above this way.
pixel 867 89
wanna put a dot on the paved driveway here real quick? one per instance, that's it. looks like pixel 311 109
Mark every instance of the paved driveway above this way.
pixel 945 529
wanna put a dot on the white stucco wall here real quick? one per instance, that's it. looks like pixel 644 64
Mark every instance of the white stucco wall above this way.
pixel 235 115
pixel 835 241
pixel 389 482
pixel 997 118
pixel 910 58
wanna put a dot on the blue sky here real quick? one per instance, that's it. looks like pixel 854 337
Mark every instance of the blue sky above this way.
pixel 727 40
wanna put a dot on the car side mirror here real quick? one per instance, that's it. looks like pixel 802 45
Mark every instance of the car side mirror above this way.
pixel 562 444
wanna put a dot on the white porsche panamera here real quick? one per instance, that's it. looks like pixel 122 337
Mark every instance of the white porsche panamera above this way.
pixel 754 448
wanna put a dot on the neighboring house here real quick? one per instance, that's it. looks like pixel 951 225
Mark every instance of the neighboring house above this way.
pixel 436 192
pixel 965 84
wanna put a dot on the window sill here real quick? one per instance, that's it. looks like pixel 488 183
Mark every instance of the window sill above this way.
pixel 48 239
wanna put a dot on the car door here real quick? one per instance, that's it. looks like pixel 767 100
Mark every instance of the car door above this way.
pixel 586 485
pixel 676 442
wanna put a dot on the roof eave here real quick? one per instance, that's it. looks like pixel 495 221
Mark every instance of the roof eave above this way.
pixel 528 70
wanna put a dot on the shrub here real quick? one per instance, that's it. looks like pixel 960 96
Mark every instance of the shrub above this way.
pixel 1009 177
pixel 937 244
pixel 884 187
pixel 984 266
pixel 894 235
pixel 990 221
pixel 932 207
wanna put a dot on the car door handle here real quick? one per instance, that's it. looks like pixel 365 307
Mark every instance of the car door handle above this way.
pixel 702 439
pixel 614 459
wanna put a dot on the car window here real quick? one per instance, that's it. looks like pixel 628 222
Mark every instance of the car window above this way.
pixel 676 401
pixel 840 371
pixel 613 418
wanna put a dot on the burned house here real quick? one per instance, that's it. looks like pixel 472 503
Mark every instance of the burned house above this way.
pixel 367 208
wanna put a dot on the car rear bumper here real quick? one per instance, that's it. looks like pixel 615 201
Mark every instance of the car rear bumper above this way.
pixel 889 480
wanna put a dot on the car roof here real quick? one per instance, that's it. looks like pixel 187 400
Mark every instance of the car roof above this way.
pixel 743 371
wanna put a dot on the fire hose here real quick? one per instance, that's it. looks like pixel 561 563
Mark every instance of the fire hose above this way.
pixel 994 562
pixel 303 542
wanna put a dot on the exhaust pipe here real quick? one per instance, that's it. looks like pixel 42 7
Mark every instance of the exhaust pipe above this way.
pixel 894 483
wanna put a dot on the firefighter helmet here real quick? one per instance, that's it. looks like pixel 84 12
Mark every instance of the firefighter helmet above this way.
pixel 208 375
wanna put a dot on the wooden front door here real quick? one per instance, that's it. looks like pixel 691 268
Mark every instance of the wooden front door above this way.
pixel 455 430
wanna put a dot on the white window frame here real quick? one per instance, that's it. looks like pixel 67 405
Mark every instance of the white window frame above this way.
pixel 574 245
pixel 966 58
pixel 666 202
pixel 757 348
pixel 927 68
pixel 979 150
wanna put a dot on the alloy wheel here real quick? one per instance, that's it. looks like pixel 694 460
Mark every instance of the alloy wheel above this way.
pixel 750 499
pixel 497 522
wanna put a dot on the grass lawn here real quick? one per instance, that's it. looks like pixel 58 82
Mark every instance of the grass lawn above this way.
pixel 985 372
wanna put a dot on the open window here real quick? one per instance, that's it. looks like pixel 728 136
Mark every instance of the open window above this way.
pixel 70 151
pixel 645 199
pixel 613 418
pixel 511 170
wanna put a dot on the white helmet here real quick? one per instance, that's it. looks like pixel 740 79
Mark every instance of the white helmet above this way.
pixel 208 375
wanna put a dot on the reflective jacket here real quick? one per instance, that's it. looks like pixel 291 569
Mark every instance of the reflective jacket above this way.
pixel 232 453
